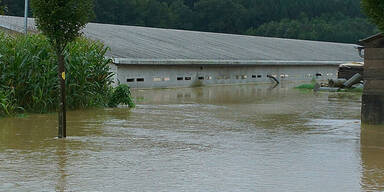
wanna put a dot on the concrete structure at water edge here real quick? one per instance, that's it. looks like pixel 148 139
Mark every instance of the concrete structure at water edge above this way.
pixel 186 73
pixel 160 58
pixel 373 97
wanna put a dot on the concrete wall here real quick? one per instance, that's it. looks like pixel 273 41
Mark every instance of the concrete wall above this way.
pixel 152 76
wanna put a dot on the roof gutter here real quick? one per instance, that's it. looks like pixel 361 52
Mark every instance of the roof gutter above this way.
pixel 170 62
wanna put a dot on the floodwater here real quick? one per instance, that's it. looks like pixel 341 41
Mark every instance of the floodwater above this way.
pixel 225 138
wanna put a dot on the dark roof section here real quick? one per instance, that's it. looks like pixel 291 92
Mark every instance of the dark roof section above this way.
pixel 374 41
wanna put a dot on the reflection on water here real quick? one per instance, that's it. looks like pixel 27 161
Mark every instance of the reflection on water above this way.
pixel 62 156
pixel 372 157
pixel 225 138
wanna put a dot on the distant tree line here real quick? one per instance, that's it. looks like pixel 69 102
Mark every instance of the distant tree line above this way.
pixel 325 20
pixel 3 9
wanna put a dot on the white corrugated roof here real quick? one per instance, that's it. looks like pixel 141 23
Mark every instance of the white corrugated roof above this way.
pixel 131 42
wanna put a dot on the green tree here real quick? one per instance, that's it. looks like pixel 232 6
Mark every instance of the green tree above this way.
pixel 237 16
pixel 3 9
pixel 61 21
pixel 374 9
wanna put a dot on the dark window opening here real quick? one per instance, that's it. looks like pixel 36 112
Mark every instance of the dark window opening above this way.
pixel 130 80
pixel 259 76
pixel 201 78
pixel 318 75
pixel 201 68
pixel 253 76
pixel 179 78
pixel 188 78
pixel 140 79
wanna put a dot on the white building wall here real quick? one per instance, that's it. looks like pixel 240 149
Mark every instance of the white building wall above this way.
pixel 147 76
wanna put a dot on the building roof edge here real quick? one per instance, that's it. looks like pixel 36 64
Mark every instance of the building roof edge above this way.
pixel 128 61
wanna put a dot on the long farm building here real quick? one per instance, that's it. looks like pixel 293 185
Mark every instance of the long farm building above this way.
pixel 160 58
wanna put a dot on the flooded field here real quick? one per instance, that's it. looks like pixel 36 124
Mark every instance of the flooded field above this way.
pixel 226 138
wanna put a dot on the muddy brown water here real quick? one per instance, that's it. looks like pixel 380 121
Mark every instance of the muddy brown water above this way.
pixel 226 138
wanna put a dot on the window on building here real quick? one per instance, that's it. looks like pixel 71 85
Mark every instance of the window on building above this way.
pixel 201 78
pixel 209 78
pixel 259 76
pixel 130 80
pixel 253 76
pixel 244 77
pixel 188 78
pixel 319 74
pixel 166 79
pixel 180 78
pixel 140 79
pixel 156 79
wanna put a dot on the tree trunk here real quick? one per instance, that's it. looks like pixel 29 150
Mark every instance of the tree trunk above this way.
pixel 62 103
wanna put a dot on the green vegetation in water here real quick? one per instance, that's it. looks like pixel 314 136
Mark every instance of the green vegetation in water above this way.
pixel 312 86
pixel 121 95
pixel 29 80
pixel 306 86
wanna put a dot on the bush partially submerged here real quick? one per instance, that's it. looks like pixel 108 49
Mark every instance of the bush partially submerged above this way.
pixel 29 81
pixel 121 95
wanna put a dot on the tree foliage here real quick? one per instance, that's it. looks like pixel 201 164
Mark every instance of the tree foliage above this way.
pixel 374 9
pixel 62 20
pixel 3 9
pixel 325 28
pixel 237 16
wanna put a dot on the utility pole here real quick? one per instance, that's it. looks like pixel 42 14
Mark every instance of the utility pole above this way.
pixel 62 107
pixel 26 17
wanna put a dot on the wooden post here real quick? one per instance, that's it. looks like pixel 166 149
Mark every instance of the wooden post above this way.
pixel 372 111
pixel 62 105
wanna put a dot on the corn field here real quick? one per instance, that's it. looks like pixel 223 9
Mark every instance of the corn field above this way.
pixel 29 80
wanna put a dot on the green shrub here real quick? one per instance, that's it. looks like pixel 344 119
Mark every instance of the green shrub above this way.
pixel 29 80
pixel 121 95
